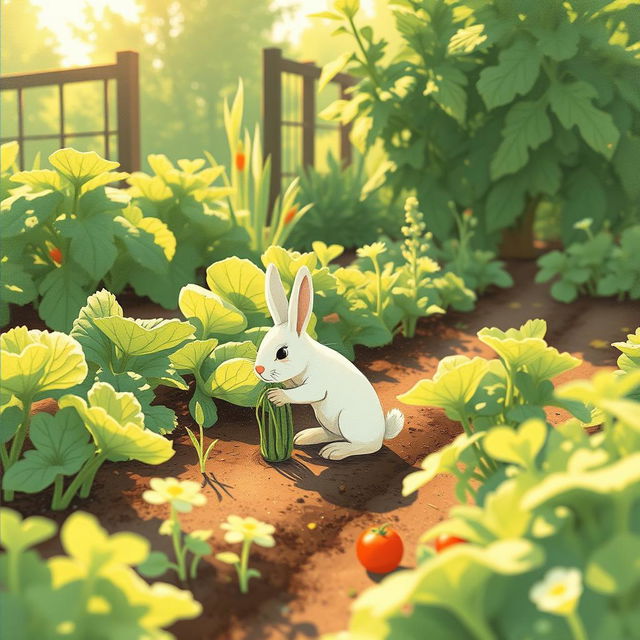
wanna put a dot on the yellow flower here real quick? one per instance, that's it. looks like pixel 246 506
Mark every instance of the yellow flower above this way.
pixel 559 592
pixel 182 496
pixel 372 250
pixel 248 529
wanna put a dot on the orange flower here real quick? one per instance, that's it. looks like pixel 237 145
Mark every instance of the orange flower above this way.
pixel 56 255
pixel 240 158
pixel 468 213
pixel 291 214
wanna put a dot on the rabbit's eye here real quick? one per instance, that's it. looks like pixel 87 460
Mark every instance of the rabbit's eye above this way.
pixel 282 353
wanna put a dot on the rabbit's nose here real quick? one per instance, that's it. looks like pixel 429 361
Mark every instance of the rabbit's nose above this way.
pixel 259 369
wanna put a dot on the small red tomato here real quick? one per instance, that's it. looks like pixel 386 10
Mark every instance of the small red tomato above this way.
pixel 379 549
pixel 240 161
pixel 444 540
pixel 290 215
pixel 56 255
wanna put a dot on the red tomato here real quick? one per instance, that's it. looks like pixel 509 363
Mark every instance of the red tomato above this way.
pixel 379 549
pixel 444 540
pixel 56 255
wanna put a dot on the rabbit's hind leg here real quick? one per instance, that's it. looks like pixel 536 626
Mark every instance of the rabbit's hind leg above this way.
pixel 315 435
pixel 341 450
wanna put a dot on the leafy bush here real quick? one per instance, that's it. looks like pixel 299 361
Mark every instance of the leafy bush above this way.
pixel 65 231
pixel 559 508
pixel 496 105
pixel 92 587
pixel 597 266
pixel 347 209
pixel 79 439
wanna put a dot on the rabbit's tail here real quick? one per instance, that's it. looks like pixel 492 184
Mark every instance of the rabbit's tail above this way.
pixel 393 424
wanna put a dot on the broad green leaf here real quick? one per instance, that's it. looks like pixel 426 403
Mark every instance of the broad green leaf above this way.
pixel 94 550
pixel 18 534
pixel 467 40
pixel 519 446
pixel 571 102
pixel 95 344
pixel 63 295
pixel 142 245
pixel 230 350
pixel 614 567
pixel 559 44
pixel 325 253
pixel 78 166
pixel 28 211
pixel 453 385
pixel 156 564
pixel 332 69
pixel 197 545
pixel 527 126
pixel 39 179
pixel 446 85
pixel 240 282
pixel 115 421
pixel 235 381
pixel 134 339
pixel 92 244
pixel 8 153
pixel 515 73
pixel 190 356
pixel 215 315
pixel 162 235
pixel 61 448
pixel 35 362
pixel 207 406
pixel 505 201
pixel 10 419
pixel 16 285
pixel 444 460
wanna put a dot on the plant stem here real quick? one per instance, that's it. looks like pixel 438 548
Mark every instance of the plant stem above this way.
pixel 177 546
pixel 58 487
pixel 193 571
pixel 376 268
pixel 87 471
pixel 577 628
pixel 372 70
pixel 244 567
pixel 17 444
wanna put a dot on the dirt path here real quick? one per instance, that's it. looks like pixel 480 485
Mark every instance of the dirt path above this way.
pixel 309 577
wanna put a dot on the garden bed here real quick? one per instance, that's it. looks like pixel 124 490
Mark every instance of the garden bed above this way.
pixel 319 507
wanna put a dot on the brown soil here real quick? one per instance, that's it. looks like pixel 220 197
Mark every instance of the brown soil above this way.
pixel 309 577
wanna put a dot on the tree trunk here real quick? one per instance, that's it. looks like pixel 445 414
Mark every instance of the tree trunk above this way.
pixel 517 241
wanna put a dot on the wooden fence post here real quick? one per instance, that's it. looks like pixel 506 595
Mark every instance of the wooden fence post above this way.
pixel 345 144
pixel 272 117
pixel 128 93
pixel 308 121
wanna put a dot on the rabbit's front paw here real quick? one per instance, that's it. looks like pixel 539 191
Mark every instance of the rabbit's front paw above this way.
pixel 278 397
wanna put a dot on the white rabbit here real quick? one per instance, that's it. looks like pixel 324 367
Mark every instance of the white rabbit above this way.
pixel 344 401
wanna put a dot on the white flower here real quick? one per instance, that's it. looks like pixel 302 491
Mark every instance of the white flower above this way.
pixel 240 529
pixel 559 592
pixel 182 496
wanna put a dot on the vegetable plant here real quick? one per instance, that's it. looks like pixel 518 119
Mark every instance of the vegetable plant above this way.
pixel 596 266
pixel 181 496
pixel 79 438
pixel 198 443
pixel 276 428
pixel 380 549
pixel 347 207
pixel 33 365
pixel 248 182
pixel 246 531
pixel 92 586
pixel 131 355
pixel 64 230
pixel 497 106
pixel 543 541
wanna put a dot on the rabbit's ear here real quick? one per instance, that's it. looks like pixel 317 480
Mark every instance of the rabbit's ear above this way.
pixel 301 302
pixel 275 295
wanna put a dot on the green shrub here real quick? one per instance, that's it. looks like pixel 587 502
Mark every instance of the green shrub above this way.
pixel 556 507
pixel 64 231
pixel 346 210
pixel 496 105
pixel 598 265
pixel 90 591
